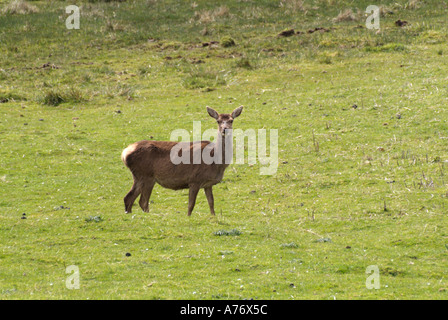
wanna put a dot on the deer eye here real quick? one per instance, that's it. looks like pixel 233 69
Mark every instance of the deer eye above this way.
pixel 230 121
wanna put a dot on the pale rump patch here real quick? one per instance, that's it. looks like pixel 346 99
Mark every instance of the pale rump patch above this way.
pixel 126 152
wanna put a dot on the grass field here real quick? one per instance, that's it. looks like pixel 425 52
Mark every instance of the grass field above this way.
pixel 362 123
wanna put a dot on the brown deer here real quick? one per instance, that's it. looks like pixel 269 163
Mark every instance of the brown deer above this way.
pixel 151 162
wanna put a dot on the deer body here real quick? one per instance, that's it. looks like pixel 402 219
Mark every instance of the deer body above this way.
pixel 150 162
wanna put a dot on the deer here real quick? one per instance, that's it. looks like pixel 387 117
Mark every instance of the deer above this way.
pixel 151 162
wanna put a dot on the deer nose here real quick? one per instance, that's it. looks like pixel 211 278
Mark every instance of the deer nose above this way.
pixel 224 131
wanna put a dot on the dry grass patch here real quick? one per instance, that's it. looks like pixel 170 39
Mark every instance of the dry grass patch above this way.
pixel 19 7
pixel 207 16
pixel 292 5
pixel 413 4
pixel 112 26
pixel 385 11
pixel 347 15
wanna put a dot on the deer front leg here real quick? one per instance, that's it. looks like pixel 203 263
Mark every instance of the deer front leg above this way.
pixel 211 202
pixel 194 189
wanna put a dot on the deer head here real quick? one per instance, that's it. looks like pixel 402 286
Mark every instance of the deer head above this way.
pixel 224 120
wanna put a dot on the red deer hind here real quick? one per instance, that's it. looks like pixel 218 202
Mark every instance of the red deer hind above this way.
pixel 151 162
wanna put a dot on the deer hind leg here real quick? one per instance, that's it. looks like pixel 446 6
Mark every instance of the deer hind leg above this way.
pixel 131 196
pixel 146 194
pixel 211 202
pixel 194 189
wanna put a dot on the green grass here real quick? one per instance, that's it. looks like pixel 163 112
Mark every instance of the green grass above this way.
pixel 362 129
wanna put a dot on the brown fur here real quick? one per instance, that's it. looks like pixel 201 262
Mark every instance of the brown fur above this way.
pixel 149 162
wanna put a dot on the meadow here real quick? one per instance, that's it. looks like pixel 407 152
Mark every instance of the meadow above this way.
pixel 362 149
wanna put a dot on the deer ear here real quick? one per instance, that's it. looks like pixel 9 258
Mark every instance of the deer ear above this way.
pixel 237 112
pixel 212 113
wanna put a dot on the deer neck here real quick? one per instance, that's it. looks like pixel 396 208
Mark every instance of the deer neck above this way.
pixel 224 148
